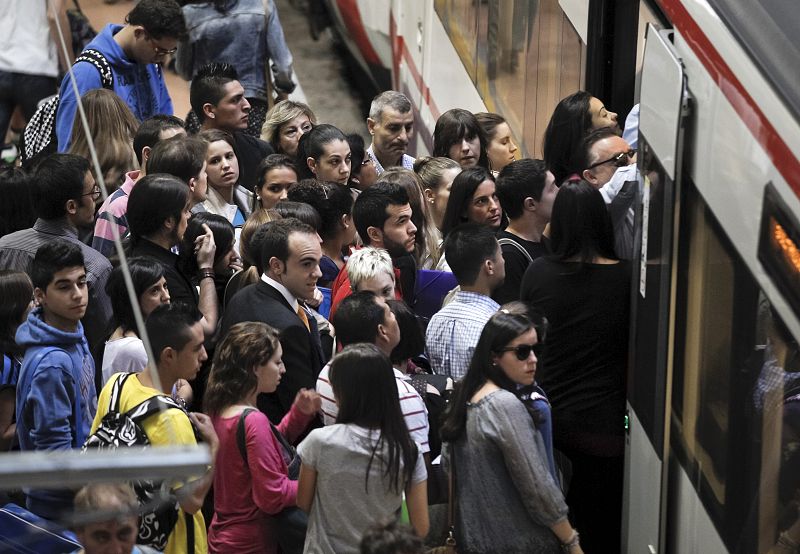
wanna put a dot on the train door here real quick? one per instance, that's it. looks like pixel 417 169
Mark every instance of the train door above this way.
pixel 664 107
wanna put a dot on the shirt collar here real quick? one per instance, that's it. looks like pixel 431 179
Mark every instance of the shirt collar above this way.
pixel 281 289
pixel 400 375
pixel 130 180
pixel 59 226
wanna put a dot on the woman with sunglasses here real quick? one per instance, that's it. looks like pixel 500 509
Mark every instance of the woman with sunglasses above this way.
pixel 583 291
pixel 506 497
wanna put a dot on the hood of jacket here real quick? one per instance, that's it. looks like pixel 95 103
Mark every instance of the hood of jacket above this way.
pixel 35 332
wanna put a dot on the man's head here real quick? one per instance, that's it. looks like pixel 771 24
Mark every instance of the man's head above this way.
pixel 604 151
pixel 159 207
pixel 290 253
pixel 474 256
pixel 116 535
pixel 151 131
pixel 185 158
pixel 157 27
pixel 391 124
pixel 382 215
pixel 217 97
pixel 63 186
pixel 526 188
pixel 176 338
pixel 365 317
pixel 371 269
pixel 59 280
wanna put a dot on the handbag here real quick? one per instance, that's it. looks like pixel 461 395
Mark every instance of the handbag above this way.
pixel 290 523
pixel 81 30
pixel 449 546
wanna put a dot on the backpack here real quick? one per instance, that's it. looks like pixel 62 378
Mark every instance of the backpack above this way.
pixel 124 430
pixel 39 136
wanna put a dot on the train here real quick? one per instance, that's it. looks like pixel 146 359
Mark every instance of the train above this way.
pixel 713 420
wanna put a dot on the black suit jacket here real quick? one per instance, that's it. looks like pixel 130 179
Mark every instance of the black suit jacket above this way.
pixel 302 350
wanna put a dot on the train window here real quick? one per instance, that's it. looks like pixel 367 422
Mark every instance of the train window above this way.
pixel 522 56
pixel 736 391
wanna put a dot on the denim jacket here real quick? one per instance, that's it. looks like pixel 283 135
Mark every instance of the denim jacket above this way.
pixel 244 37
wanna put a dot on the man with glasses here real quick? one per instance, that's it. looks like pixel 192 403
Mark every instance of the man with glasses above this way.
pixel 611 167
pixel 64 196
pixel 134 52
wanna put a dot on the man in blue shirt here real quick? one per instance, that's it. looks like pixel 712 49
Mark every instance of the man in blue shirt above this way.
pixel 475 258
pixel 134 52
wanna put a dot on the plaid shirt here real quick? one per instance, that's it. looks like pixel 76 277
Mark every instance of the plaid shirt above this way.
pixel 17 251
pixel 453 332
pixel 407 162
pixel 113 213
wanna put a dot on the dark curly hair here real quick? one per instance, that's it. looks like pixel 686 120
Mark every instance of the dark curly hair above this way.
pixel 160 18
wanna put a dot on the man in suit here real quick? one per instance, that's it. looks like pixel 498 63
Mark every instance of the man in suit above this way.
pixel 290 254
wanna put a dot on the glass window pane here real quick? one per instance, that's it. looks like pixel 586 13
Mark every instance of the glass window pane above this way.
pixel 460 20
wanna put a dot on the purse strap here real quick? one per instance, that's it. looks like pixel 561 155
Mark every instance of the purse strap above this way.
pixel 451 499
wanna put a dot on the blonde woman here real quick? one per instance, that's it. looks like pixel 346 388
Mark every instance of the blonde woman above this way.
pixel 286 122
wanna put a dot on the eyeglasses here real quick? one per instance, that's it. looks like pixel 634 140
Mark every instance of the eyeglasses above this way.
pixel 620 160
pixel 522 351
pixel 158 50
pixel 94 193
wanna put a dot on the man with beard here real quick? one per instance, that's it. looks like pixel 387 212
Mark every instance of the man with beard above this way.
pixel 382 216
pixel 391 124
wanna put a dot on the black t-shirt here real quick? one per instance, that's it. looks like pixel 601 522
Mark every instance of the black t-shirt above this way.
pixel 249 151
pixel 516 264
pixel 583 365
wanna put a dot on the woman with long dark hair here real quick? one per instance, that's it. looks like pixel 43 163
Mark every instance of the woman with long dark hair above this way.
pixel 276 173
pixel 473 199
pixel 224 196
pixel 583 290
pixel 459 136
pixel 323 154
pixel 260 480
pixel 573 118
pixel 506 498
pixel 226 257
pixel 16 290
pixel 354 473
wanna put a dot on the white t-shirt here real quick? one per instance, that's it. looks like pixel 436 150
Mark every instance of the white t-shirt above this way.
pixel 411 404
pixel 126 354
pixel 343 509
pixel 25 42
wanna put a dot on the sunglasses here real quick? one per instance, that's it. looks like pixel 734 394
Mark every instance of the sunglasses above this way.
pixel 522 351
pixel 620 160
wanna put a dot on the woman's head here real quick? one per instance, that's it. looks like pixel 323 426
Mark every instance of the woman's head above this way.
pixel 224 238
pixel 324 154
pixel 363 173
pixel 16 206
pixel 501 150
pixel 246 362
pixel 333 203
pixel 371 269
pixel 473 199
pixel 222 165
pixel 112 127
pixel 16 290
pixel 276 173
pixel 459 136
pixel 149 286
pixel 572 119
pixel 299 210
pixel 412 341
pixel 436 176
pixel 286 122
pixel 580 227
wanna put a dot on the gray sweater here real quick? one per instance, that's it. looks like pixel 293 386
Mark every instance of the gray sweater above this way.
pixel 506 497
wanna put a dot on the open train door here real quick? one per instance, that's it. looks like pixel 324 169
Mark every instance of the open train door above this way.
pixel 664 103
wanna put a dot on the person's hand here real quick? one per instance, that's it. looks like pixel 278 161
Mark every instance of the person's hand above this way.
pixel 309 402
pixel 315 300
pixel 184 390
pixel 205 248
pixel 206 429
pixel 235 265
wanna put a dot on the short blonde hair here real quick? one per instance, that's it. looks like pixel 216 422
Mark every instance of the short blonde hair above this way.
pixel 281 114
pixel 366 263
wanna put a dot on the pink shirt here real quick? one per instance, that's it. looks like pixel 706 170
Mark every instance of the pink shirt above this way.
pixel 244 495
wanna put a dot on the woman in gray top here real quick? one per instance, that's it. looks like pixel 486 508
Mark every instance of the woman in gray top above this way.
pixel 506 499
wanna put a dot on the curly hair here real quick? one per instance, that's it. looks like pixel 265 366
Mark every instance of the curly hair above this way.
pixel 232 379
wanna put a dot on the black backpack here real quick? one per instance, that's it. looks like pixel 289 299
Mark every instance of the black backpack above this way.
pixel 39 137
pixel 159 507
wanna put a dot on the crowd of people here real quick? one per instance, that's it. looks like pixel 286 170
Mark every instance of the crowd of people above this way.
pixel 283 272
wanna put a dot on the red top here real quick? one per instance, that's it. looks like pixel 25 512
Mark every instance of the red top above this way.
pixel 243 496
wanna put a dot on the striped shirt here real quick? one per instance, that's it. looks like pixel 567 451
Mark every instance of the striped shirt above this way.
pixel 411 404
pixel 18 249
pixel 113 213
pixel 453 332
